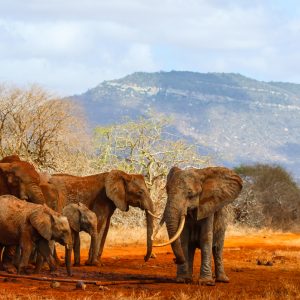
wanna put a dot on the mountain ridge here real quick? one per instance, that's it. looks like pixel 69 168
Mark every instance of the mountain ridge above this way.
pixel 239 119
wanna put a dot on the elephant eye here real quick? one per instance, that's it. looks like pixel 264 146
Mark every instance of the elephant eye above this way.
pixel 140 192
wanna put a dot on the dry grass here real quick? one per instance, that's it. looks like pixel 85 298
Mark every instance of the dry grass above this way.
pixel 124 235
pixel 240 230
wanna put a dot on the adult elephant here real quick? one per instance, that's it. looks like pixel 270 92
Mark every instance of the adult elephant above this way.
pixel 103 193
pixel 19 178
pixel 195 218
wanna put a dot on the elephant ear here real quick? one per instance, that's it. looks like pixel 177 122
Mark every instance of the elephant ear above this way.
pixel 73 215
pixel 115 187
pixel 42 222
pixel 220 186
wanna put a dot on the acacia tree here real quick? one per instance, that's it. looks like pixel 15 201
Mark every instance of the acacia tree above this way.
pixel 144 146
pixel 39 127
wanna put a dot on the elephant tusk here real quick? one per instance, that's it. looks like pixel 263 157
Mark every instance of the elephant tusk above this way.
pixel 157 229
pixel 152 214
pixel 176 236
pixel 155 232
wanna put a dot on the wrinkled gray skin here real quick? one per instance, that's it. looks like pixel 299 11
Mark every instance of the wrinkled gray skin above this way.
pixel 208 235
pixel 82 219
pixel 199 195
pixel 28 225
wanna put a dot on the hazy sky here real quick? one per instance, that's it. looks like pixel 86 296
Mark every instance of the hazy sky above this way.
pixel 69 46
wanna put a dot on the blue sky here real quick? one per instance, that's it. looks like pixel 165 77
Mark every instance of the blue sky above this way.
pixel 70 46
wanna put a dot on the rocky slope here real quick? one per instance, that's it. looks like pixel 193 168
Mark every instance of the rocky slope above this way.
pixel 235 118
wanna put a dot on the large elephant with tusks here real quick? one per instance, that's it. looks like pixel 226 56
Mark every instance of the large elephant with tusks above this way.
pixel 195 218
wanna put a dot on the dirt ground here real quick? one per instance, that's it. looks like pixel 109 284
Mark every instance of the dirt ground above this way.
pixel 259 266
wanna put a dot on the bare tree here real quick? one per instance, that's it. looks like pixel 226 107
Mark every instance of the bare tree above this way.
pixel 39 127
pixel 145 146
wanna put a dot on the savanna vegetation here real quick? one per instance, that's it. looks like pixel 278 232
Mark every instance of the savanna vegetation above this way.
pixel 270 198
pixel 52 133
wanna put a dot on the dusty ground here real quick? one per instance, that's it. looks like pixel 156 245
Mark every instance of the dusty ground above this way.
pixel 248 280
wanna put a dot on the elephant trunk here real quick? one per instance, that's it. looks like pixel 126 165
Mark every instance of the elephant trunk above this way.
pixel 68 254
pixel 173 218
pixel 149 221
pixel 35 194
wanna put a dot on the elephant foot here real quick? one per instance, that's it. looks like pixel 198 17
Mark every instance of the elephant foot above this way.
pixel 8 267
pixel 96 263
pixel 206 281
pixel 10 270
pixel 76 264
pixel 25 271
pixel 184 279
pixel 222 278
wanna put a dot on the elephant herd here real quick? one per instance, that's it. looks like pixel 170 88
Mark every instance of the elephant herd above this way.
pixel 38 209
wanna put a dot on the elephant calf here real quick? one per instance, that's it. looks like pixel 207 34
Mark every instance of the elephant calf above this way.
pixel 82 219
pixel 28 225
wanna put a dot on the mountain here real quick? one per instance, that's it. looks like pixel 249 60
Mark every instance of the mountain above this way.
pixel 235 118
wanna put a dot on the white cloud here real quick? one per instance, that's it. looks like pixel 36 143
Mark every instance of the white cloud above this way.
pixel 73 45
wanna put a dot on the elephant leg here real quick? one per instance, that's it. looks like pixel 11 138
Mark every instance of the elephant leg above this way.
pixel 56 258
pixel 8 255
pixel 183 275
pixel 206 239
pixel 76 248
pixel 103 214
pixel 101 230
pixel 17 256
pixel 26 248
pixel 103 239
pixel 217 249
pixel 191 255
pixel 39 263
pixel 44 252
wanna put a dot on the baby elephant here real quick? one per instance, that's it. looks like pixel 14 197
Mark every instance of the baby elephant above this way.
pixel 28 225
pixel 82 219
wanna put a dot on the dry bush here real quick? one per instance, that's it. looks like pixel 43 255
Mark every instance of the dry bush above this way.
pixel 41 128
pixel 145 147
pixel 270 198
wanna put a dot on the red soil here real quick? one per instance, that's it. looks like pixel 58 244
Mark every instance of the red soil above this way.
pixel 248 280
